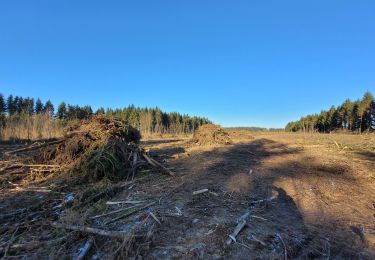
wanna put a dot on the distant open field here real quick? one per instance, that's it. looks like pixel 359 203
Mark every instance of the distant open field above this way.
pixel 302 195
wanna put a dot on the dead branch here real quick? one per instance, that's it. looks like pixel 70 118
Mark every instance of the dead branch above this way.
pixel 148 159
pixel 156 164
pixel 282 241
pixel 34 147
pixel 112 212
pixel 124 202
pixel 199 191
pixel 96 231
pixel 127 214
pixel 33 244
pixel 237 230
pixel 85 249
pixel 155 218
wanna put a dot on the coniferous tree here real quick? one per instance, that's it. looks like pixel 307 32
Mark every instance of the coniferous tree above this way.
pixel 48 108
pixel 2 105
pixel 11 107
pixel 38 106
pixel 355 116
pixel 61 111
pixel 100 111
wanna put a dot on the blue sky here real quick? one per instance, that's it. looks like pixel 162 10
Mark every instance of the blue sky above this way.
pixel 240 63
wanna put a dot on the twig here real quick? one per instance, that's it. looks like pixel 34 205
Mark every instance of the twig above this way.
pixel 253 216
pixel 242 244
pixel 282 241
pixel 199 191
pixel 129 213
pixel 112 212
pixel 154 217
pixel 11 240
pixel 124 202
pixel 258 240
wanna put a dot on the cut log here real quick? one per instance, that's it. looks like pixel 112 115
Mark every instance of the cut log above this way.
pixel 237 230
pixel 85 249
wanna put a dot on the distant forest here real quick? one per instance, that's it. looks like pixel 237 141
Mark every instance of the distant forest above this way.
pixel 254 129
pixel 351 116
pixel 15 109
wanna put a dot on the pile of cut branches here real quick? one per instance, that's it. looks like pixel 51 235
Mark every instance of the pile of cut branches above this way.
pixel 211 134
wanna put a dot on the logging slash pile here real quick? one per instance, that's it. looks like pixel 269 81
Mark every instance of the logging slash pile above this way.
pixel 211 134
pixel 98 148
pixel 95 149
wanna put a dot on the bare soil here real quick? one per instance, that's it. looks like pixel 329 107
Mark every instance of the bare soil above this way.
pixel 307 197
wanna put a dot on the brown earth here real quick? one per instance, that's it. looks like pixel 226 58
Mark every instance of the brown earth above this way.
pixel 308 196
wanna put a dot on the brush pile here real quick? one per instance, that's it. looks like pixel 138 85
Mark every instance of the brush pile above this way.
pixel 211 134
pixel 97 148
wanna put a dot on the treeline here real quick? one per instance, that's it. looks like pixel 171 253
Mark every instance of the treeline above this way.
pixel 154 120
pixel 254 129
pixel 147 120
pixel 355 116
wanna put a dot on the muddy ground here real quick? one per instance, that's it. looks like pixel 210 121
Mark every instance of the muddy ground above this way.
pixel 306 197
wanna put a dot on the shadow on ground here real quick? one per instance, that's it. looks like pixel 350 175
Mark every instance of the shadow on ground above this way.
pixel 287 193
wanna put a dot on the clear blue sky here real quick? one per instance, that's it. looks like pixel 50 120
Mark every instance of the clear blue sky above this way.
pixel 248 63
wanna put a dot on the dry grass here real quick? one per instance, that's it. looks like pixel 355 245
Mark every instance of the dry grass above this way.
pixel 26 127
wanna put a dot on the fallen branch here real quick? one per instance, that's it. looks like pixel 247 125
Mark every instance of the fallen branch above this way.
pixel 199 191
pixel 264 200
pixel 124 202
pixel 85 249
pixel 148 159
pixel 97 231
pixel 237 230
pixel 258 240
pixel 253 216
pixel 34 147
pixel 111 212
pixel 282 241
pixel 155 218
pixel 34 244
pixel 127 214
pixel 156 164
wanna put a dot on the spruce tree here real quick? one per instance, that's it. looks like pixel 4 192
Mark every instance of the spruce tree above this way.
pixel 38 106
pixel 11 107
pixel 48 108
pixel 2 105
pixel 61 111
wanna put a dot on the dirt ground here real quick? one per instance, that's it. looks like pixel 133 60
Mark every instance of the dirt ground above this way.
pixel 304 196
